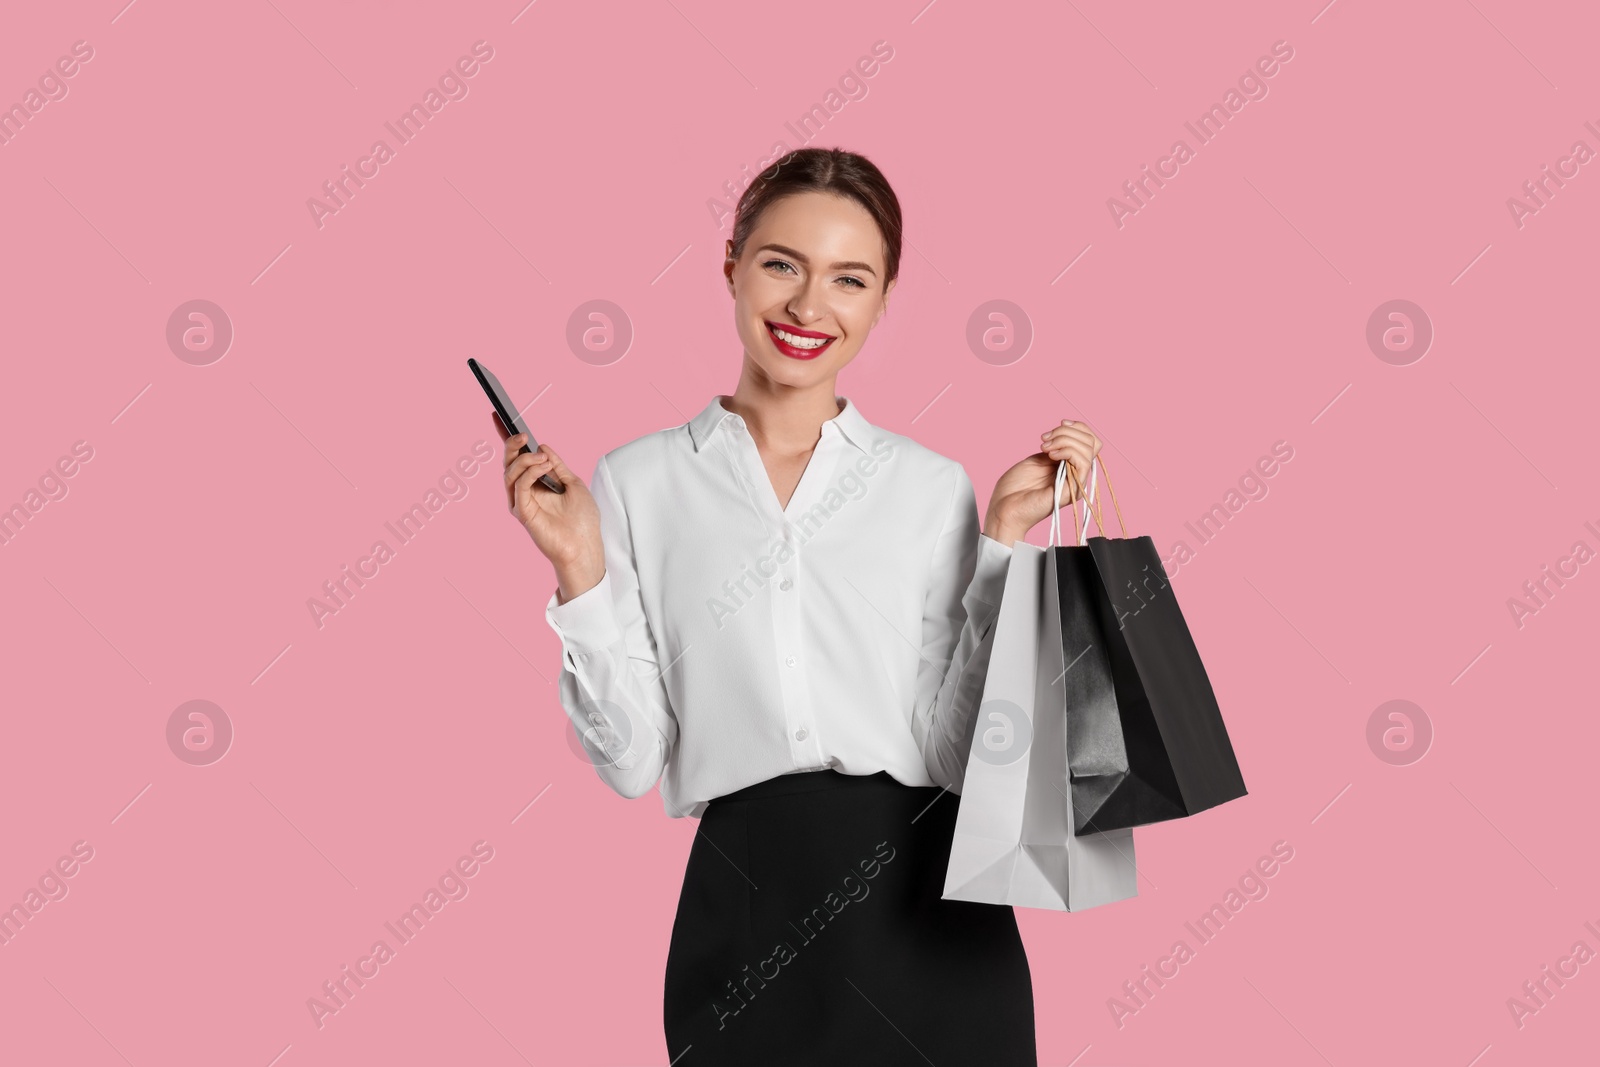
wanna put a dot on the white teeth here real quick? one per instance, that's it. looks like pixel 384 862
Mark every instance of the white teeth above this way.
pixel 801 342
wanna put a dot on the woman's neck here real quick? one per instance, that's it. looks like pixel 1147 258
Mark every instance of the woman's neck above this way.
pixel 783 419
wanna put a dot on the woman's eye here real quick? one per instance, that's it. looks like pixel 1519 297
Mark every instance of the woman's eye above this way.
pixel 852 282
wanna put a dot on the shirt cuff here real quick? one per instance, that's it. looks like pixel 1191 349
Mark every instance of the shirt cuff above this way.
pixel 989 576
pixel 588 622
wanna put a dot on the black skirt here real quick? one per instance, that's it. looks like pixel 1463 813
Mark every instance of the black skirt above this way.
pixel 810 930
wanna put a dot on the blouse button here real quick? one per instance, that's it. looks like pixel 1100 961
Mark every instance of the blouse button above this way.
pixel 790 661
pixel 785 584
pixel 800 734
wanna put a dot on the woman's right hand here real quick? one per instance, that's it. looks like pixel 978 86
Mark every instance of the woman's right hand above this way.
pixel 565 526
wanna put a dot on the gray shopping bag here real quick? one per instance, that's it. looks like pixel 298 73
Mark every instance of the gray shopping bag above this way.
pixel 1014 841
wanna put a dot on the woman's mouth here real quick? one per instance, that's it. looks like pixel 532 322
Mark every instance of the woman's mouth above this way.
pixel 797 343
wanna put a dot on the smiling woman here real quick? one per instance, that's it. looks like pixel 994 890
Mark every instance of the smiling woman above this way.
pixel 846 212
pixel 830 713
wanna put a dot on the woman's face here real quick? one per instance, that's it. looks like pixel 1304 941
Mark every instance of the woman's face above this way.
pixel 812 268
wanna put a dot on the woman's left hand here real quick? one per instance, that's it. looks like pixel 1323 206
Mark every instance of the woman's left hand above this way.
pixel 1025 494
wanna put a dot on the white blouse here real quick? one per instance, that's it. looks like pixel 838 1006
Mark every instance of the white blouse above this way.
pixel 731 640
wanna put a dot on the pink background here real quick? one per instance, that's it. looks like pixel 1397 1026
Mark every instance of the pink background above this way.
pixel 1230 313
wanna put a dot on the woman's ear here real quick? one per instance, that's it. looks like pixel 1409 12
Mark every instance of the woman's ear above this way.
pixel 728 264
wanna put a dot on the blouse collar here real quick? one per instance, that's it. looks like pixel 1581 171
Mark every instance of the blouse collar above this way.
pixel 849 422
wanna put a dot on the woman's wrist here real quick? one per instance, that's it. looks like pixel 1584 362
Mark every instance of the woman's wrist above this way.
pixel 998 529
pixel 576 579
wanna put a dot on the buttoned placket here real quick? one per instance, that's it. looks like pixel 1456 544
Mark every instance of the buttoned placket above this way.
pixel 787 586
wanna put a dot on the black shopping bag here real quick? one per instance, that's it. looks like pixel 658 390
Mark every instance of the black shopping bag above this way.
pixel 1145 737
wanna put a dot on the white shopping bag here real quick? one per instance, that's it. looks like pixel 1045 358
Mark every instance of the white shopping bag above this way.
pixel 1014 841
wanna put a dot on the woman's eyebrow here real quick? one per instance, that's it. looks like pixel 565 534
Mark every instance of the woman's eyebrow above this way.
pixel 851 264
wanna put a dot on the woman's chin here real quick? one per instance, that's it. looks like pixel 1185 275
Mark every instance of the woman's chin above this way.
pixel 786 371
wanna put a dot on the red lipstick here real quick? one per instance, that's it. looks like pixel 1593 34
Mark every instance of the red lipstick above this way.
pixel 792 351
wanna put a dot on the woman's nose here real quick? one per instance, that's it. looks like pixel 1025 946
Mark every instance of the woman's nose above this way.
pixel 806 305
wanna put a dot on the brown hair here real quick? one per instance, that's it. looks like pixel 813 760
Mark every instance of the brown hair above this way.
pixel 824 170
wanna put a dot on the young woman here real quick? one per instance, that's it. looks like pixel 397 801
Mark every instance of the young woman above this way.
pixel 779 610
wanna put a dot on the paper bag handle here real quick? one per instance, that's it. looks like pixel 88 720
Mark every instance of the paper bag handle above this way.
pixel 1080 532
pixel 1062 472
pixel 1116 506
pixel 1091 505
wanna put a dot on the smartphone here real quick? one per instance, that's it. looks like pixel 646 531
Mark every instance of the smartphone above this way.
pixel 510 417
